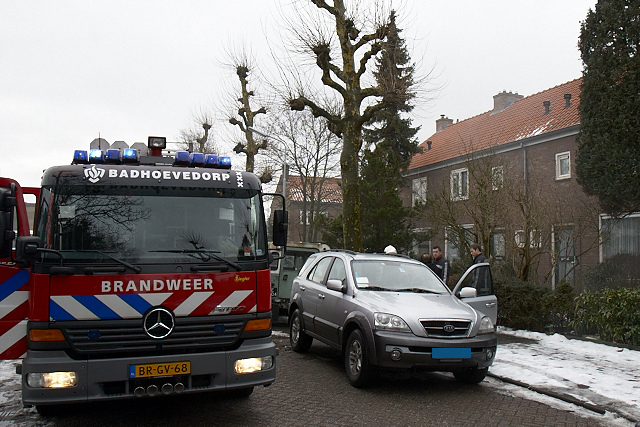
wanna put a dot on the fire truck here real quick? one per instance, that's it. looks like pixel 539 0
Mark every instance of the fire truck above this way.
pixel 144 275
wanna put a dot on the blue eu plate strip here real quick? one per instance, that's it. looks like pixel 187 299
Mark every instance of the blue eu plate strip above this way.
pixel 451 353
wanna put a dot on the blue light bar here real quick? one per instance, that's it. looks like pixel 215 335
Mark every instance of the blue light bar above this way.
pixel 130 155
pixel 182 158
pixel 80 157
pixel 112 155
pixel 225 162
pixel 96 156
pixel 211 161
pixel 196 159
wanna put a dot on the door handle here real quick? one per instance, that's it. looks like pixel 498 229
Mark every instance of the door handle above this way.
pixel 321 296
pixel 490 304
pixel 302 288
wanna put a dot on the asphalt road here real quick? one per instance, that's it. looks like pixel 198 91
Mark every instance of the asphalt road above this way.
pixel 312 389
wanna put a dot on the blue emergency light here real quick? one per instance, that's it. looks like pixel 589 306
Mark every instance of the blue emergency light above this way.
pixel 80 157
pixel 96 156
pixel 130 155
pixel 196 159
pixel 182 158
pixel 112 155
pixel 225 162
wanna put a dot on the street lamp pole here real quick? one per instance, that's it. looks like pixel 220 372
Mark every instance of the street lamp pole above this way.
pixel 284 163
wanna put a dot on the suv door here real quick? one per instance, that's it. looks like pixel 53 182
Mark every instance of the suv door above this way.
pixel 311 287
pixel 330 314
pixel 478 276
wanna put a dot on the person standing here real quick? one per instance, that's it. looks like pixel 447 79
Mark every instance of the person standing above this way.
pixel 426 260
pixel 441 264
pixel 476 253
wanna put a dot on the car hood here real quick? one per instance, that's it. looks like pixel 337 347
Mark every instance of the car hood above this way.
pixel 413 307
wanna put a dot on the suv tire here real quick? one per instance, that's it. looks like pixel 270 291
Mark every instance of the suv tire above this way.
pixel 356 360
pixel 471 375
pixel 300 342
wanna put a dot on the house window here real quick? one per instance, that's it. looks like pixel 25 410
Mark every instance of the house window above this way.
pixel 497 177
pixel 620 236
pixel 498 245
pixel 460 184
pixel 454 246
pixel 306 217
pixel 535 238
pixel 563 165
pixel 419 193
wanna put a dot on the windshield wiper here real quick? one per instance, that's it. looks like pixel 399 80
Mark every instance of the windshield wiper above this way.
pixel 417 290
pixel 135 268
pixel 374 288
pixel 210 254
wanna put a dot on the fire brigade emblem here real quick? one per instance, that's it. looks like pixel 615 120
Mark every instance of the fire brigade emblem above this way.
pixel 158 323
pixel 94 174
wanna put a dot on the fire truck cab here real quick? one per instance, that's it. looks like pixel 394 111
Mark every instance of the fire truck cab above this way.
pixel 144 276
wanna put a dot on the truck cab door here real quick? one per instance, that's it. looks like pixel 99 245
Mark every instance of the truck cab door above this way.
pixel 14 280
pixel 478 277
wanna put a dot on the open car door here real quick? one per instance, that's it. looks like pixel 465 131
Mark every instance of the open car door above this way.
pixel 478 276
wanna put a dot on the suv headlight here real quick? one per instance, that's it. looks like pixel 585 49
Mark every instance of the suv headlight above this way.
pixel 390 322
pixel 486 326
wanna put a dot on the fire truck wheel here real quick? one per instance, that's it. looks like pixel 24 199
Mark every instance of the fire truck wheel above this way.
pixel 53 410
pixel 300 342
pixel 241 392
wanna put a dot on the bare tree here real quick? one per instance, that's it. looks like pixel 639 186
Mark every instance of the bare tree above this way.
pixel 244 117
pixel 198 136
pixel 343 42
pixel 311 153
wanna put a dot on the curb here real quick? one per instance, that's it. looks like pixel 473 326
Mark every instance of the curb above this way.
pixel 566 398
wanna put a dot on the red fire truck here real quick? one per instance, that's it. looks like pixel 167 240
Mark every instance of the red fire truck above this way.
pixel 144 276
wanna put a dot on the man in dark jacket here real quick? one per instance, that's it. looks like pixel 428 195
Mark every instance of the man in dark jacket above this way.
pixel 476 253
pixel 442 264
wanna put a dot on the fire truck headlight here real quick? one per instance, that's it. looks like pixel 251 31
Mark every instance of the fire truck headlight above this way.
pixel 254 364
pixel 52 380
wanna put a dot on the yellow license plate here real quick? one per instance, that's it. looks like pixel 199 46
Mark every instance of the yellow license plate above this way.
pixel 159 369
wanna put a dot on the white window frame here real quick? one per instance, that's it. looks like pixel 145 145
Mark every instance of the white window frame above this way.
pixel 602 226
pixel 419 193
pixel 535 238
pixel 560 157
pixel 497 177
pixel 308 218
pixel 459 180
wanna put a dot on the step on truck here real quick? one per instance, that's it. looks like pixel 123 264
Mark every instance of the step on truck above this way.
pixel 144 276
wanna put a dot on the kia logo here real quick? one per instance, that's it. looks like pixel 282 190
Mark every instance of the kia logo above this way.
pixel 158 323
pixel 449 328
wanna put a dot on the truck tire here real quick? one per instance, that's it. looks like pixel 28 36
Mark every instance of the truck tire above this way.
pixel 300 342
pixel 356 360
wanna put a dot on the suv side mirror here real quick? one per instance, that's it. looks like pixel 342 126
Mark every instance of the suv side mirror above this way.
pixel 468 292
pixel 336 285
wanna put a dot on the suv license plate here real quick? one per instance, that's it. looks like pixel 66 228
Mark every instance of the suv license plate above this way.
pixel 159 369
pixel 451 353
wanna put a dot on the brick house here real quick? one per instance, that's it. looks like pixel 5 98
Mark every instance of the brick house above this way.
pixel 531 142
pixel 303 208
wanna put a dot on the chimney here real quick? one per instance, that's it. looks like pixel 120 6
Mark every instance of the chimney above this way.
pixel 547 107
pixel 502 100
pixel 567 100
pixel 443 122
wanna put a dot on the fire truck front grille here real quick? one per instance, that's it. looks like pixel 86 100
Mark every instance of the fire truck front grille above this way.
pixel 115 338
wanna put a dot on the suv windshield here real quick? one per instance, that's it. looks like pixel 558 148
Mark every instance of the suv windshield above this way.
pixel 396 276
pixel 150 224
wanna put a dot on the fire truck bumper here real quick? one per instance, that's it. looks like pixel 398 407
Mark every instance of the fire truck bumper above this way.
pixel 51 377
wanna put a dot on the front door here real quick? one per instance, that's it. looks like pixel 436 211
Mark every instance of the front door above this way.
pixel 566 255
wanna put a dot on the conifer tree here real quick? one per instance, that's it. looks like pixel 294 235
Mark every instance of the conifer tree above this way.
pixel 608 159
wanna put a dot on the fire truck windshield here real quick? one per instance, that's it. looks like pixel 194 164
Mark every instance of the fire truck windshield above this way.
pixel 151 224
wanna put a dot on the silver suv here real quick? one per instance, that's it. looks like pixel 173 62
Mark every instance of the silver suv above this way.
pixel 390 311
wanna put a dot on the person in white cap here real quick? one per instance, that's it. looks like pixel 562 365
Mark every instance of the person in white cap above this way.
pixel 390 250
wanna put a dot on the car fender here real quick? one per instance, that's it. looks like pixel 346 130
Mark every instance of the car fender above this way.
pixel 358 319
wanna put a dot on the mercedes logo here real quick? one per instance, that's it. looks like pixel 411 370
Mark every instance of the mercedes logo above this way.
pixel 158 323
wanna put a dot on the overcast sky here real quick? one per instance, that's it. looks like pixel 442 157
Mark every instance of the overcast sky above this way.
pixel 124 70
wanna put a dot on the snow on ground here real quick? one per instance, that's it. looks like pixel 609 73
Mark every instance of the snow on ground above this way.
pixel 604 376
pixel 593 374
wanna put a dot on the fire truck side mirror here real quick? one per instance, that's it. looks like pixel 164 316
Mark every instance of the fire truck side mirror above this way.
pixel 27 249
pixel 7 234
pixel 280 227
